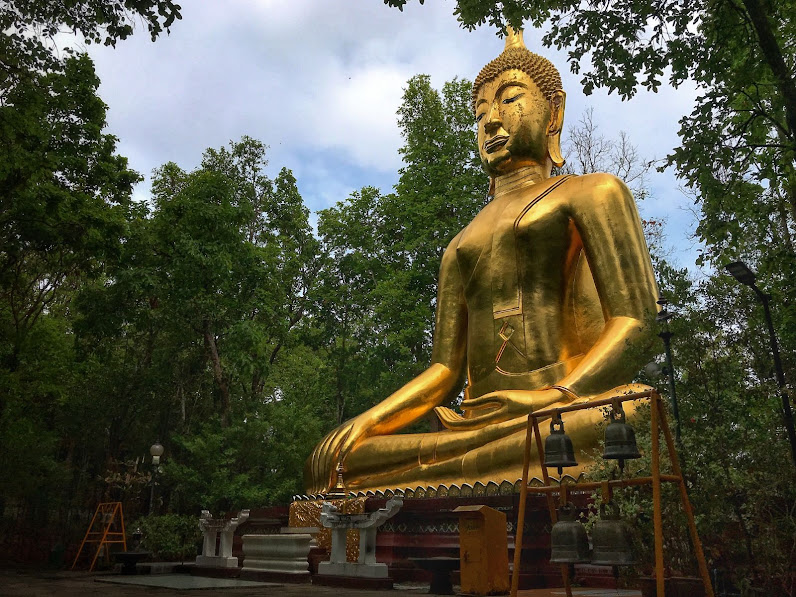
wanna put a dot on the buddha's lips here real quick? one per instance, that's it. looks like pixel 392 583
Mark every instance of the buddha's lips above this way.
pixel 495 143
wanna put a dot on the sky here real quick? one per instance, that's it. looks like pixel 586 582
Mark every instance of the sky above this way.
pixel 320 82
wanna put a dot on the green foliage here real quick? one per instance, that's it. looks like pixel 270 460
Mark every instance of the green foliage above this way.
pixel 29 27
pixel 66 195
pixel 170 537
pixel 104 21
pixel 257 460
pixel 211 289
pixel 734 451
pixel 66 200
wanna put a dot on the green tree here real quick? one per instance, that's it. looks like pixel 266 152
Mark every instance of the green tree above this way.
pixel 440 189
pixel 65 210
pixel 66 194
pixel 346 318
pixel 199 329
pixel 29 28
pixel 734 451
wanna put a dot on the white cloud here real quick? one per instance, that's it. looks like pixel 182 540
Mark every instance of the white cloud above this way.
pixel 358 117
pixel 320 83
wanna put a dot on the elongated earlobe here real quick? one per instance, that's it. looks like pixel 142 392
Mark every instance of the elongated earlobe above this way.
pixel 557 102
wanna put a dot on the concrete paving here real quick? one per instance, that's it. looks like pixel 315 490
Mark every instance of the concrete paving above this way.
pixel 30 582
pixel 42 583
pixel 185 582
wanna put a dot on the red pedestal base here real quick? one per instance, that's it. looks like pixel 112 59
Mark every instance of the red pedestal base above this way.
pixel 427 528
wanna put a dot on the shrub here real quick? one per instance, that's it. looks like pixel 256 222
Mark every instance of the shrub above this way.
pixel 170 536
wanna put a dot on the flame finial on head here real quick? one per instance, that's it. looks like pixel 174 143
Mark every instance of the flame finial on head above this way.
pixel 513 38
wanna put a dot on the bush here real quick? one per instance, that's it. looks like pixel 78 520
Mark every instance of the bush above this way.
pixel 170 536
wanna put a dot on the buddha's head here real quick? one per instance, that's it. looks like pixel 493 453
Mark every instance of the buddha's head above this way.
pixel 519 108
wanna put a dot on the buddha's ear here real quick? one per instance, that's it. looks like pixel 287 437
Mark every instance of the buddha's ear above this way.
pixel 491 192
pixel 557 102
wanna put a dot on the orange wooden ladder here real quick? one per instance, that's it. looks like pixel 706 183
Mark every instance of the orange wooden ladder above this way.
pixel 102 530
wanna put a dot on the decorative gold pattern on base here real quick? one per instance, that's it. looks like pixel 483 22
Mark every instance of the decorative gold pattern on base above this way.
pixel 306 512
pixel 304 516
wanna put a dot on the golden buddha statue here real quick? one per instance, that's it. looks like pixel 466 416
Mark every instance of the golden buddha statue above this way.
pixel 542 300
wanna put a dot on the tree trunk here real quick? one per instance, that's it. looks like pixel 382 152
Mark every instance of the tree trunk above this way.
pixel 218 372
pixel 772 54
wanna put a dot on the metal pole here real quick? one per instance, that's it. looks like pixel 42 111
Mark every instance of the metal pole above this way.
pixel 657 510
pixel 787 413
pixel 526 461
pixel 152 490
pixel 666 336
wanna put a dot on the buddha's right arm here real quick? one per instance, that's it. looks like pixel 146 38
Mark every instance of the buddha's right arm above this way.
pixel 433 387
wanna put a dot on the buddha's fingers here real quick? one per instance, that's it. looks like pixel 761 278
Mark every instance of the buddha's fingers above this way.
pixel 333 450
pixel 477 421
pixel 319 465
pixel 490 401
pixel 329 459
pixel 446 414
pixel 316 467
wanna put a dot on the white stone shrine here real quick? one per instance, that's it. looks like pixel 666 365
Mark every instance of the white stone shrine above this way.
pixel 222 529
pixel 367 523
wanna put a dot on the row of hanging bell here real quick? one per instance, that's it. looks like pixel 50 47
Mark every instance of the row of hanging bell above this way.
pixel 611 539
pixel 620 442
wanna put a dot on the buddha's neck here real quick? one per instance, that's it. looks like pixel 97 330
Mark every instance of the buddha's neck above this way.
pixel 522 177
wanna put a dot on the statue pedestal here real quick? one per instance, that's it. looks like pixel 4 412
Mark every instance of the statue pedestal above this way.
pixel 429 528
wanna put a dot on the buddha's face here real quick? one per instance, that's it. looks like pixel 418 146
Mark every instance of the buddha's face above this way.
pixel 513 118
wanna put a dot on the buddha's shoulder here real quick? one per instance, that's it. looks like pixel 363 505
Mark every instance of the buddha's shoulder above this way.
pixel 596 183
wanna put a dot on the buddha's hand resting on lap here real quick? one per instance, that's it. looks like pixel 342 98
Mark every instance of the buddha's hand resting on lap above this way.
pixel 332 450
pixel 499 406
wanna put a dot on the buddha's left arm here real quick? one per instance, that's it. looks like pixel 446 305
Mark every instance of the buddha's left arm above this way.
pixel 605 215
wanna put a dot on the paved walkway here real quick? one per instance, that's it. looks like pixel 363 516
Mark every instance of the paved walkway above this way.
pixel 43 583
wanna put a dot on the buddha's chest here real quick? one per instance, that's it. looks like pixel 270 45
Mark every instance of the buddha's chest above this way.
pixel 514 242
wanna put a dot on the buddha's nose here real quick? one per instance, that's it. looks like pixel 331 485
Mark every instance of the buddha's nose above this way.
pixel 493 121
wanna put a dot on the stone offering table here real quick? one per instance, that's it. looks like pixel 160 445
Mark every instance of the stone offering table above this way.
pixel 282 557
pixel 223 529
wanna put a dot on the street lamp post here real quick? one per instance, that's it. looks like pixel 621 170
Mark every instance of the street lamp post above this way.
pixel 741 272
pixel 156 451
pixel 666 335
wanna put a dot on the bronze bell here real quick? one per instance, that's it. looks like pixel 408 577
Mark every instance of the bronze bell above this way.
pixel 620 439
pixel 568 541
pixel 558 450
pixel 611 539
